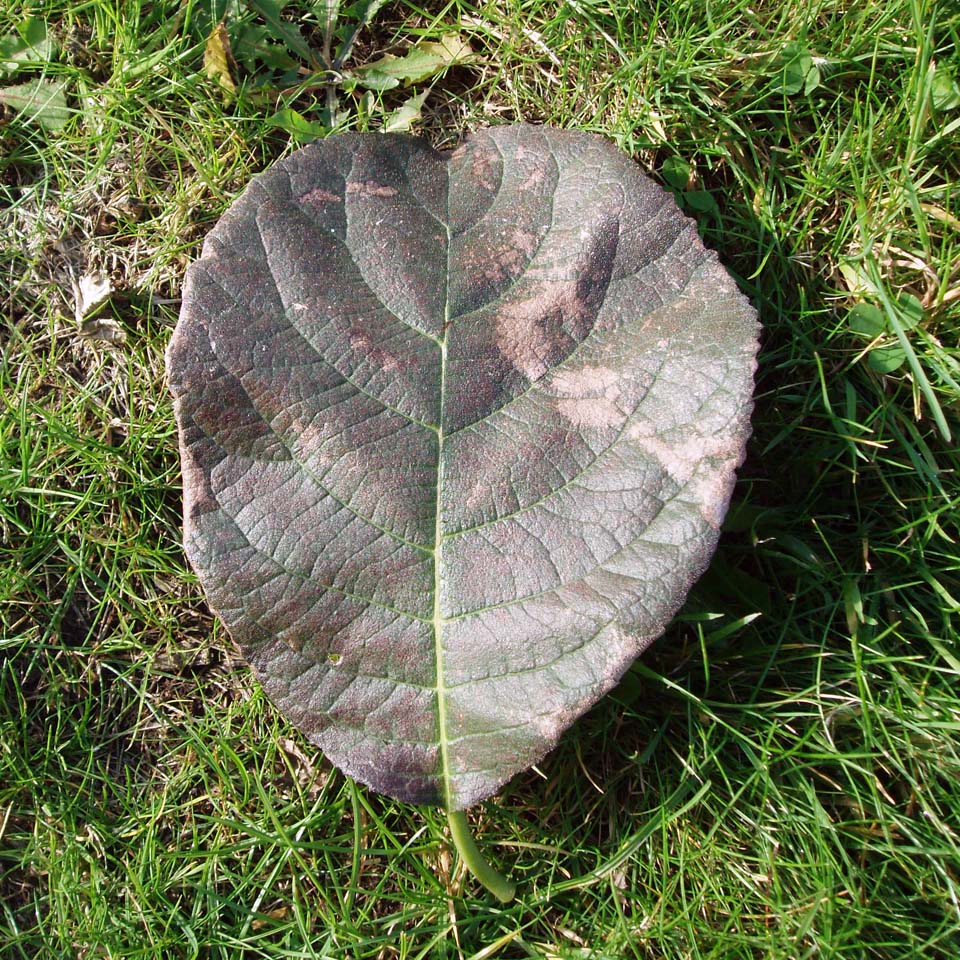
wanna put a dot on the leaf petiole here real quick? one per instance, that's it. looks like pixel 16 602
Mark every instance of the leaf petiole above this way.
pixel 466 846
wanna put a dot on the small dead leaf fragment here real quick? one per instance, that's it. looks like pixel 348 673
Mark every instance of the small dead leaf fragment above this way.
pixel 103 329
pixel 90 291
pixel 218 62
pixel 263 921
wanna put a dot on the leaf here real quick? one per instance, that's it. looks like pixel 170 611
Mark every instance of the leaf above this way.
pixel 403 118
pixel 676 172
pixel 799 72
pixel 458 431
pixel 363 12
pixel 887 359
pixel 866 319
pixel 451 48
pixel 870 321
pixel 419 63
pixel 856 278
pixel 944 92
pixel 252 46
pixel 910 310
pixel 702 201
pixel 331 13
pixel 90 292
pixel 102 330
pixel 218 62
pixel 328 20
pixel 369 80
pixel 297 125
pixel 853 605
pixel 40 101
pixel 283 30
pixel 29 46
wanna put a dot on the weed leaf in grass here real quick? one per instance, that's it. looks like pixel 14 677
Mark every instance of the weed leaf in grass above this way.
pixel 888 358
pixel 297 125
pixel 254 47
pixel 287 32
pixel 420 62
pixel 406 115
pixel 39 101
pixel 28 46
pixel 702 201
pixel 362 13
pixel 945 92
pixel 43 102
pixel 254 37
pixel 458 431
pixel 909 310
pixel 871 322
pixel 676 172
pixel 799 71
pixel 867 320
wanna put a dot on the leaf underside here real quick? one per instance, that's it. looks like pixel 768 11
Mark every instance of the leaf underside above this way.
pixel 458 431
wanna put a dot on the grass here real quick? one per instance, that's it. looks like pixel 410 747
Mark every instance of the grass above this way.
pixel 778 777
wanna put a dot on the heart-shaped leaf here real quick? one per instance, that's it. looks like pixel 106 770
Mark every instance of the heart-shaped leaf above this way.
pixel 458 431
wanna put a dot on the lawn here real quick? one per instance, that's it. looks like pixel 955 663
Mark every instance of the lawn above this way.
pixel 777 777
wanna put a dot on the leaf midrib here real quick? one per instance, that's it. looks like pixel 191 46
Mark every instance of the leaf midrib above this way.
pixel 438 534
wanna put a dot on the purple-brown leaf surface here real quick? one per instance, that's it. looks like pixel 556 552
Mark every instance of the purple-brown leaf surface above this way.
pixel 458 431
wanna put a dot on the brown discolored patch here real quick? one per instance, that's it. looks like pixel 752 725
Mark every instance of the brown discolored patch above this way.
pixel 507 259
pixel 489 261
pixel 198 496
pixel 538 167
pixel 370 188
pixel 705 464
pixel 588 397
pixel 536 333
pixel 524 241
pixel 309 440
pixel 712 489
pixel 383 360
pixel 483 167
pixel 360 340
pixel 318 195
pixel 379 357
